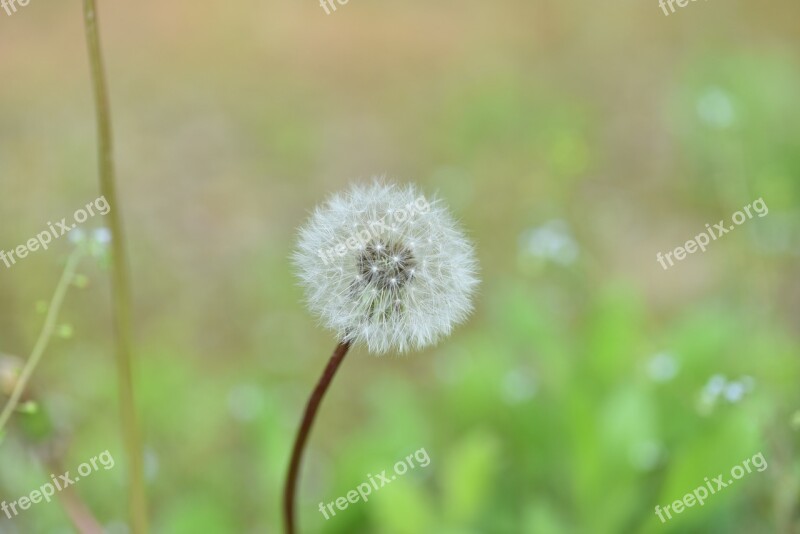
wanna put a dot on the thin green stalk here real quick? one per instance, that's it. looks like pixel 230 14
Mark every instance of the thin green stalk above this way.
pixel 44 337
pixel 119 280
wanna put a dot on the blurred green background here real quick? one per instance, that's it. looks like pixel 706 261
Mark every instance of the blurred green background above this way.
pixel 573 140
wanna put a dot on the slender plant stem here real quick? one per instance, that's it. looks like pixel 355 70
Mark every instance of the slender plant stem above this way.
pixel 119 279
pixel 44 336
pixel 305 428
pixel 80 514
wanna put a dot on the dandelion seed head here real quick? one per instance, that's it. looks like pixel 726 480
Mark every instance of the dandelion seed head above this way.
pixel 383 266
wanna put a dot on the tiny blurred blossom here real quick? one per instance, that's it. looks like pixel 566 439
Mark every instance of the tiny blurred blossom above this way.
pixel 29 407
pixel 65 331
pixel 718 386
pixel 518 386
pixel 10 369
pixel 99 244
pixel 734 391
pixel 662 367
pixel 151 464
pixel 245 402
pixel 715 385
pixel 645 455
pixel 102 235
pixel 41 306
pixel 551 241
pixel 76 236
pixel 80 281
pixel 715 108
pixel 710 394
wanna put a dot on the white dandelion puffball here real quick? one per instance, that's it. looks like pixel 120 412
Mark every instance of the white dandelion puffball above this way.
pixel 383 266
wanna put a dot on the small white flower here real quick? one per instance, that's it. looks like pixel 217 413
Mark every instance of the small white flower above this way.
pixel 245 402
pixel 716 384
pixel 716 108
pixel 662 367
pixel 381 265
pixel 734 391
pixel 102 235
pixel 646 454
pixel 76 236
pixel 518 386
pixel 551 241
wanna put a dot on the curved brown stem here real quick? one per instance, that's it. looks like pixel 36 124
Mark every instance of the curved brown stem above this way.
pixel 305 427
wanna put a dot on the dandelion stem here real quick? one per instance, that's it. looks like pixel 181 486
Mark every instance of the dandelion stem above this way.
pixel 119 279
pixel 44 336
pixel 305 428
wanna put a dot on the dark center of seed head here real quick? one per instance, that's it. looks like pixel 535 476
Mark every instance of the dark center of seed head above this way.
pixel 386 266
